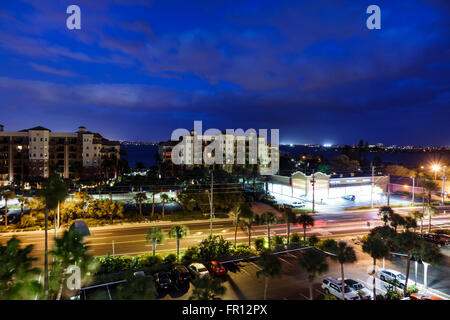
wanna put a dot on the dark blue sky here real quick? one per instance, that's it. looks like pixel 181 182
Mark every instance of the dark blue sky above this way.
pixel 139 69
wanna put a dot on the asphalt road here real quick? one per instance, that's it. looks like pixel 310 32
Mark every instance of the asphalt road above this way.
pixel 130 239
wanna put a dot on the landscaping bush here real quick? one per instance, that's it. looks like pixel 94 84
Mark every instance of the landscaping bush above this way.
pixel 214 248
pixel 411 289
pixel 313 241
pixel 170 258
pixel 149 260
pixel 260 244
pixel 190 255
pixel 243 252
pixel 27 221
pixel 295 238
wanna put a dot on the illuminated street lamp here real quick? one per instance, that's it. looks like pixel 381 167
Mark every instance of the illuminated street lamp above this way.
pixel 435 168
pixel 413 179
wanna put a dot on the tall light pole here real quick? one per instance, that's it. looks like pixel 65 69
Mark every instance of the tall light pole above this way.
pixel 313 181
pixel 435 168
pixel 413 185
pixel 371 190
pixel 443 184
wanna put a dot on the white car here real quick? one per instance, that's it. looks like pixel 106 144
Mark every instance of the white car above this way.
pixel 333 286
pixel 358 288
pixel 391 275
pixel 199 270
pixel 298 204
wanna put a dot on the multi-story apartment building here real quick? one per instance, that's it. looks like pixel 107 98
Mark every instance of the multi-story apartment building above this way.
pixel 31 154
pixel 236 151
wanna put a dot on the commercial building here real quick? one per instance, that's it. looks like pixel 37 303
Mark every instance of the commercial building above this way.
pixel 327 187
pixel 31 154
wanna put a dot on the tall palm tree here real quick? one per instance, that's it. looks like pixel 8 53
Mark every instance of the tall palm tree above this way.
pixel 417 215
pixel 430 186
pixel 268 218
pixel 408 241
pixel 314 263
pixel 54 191
pixel 207 288
pixel 344 254
pixel 430 211
pixel 306 221
pixel 153 203
pixel 247 220
pixel 155 235
pixel 237 213
pixel 289 217
pixel 70 250
pixel 23 201
pixel 178 232
pixel 271 267
pixel 385 213
pixel 7 195
pixel 377 248
pixel 139 198
pixel 164 198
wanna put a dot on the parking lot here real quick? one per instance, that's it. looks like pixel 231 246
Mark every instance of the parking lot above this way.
pixel 241 282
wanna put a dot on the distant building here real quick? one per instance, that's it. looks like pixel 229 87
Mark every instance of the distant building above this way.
pixel 31 154
pixel 231 152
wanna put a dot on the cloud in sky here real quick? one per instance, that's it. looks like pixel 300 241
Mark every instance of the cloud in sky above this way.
pixel 313 70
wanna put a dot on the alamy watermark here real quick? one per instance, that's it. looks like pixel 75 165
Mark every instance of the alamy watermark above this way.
pixel 234 146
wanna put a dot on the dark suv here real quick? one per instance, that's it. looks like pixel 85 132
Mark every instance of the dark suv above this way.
pixel 180 274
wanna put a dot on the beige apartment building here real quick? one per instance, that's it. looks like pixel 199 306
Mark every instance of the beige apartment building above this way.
pixel 31 154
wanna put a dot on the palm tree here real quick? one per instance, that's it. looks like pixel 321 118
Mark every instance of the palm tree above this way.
pixel 18 278
pixel 344 254
pixel 289 217
pixel 139 198
pixel 7 195
pixel 377 248
pixel 178 232
pixel 430 211
pixel 314 263
pixel 243 207
pixel 153 204
pixel 207 288
pixel 268 218
pixel 70 250
pixel 305 220
pixel 54 191
pixel 430 186
pixel 23 201
pixel 164 198
pixel 155 235
pixel 408 241
pixel 271 267
pixel 385 212
pixel 417 215
pixel 248 219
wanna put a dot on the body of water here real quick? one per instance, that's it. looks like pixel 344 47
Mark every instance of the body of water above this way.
pixel 146 154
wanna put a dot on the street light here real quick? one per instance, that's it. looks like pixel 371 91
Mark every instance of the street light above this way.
pixel 435 168
pixel 413 179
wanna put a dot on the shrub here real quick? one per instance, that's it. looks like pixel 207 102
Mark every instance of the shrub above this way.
pixel 170 258
pixel 27 221
pixel 329 297
pixel 295 238
pixel 412 289
pixel 214 248
pixel 260 243
pixel 313 241
pixel 191 254
pixel 149 260
pixel 242 252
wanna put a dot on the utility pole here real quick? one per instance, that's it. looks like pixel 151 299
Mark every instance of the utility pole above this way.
pixel 313 180
pixel 371 190
pixel 443 184
pixel 414 180
pixel 211 202
pixel 389 190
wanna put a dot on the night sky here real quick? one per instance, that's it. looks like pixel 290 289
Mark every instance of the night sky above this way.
pixel 139 69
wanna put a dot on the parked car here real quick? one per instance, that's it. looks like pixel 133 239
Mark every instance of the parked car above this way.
pixel 333 286
pixel 162 280
pixel 421 296
pixel 180 275
pixel 216 268
pixel 392 275
pixel 359 288
pixel 349 197
pixel 438 239
pixel 298 204
pixel 198 270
